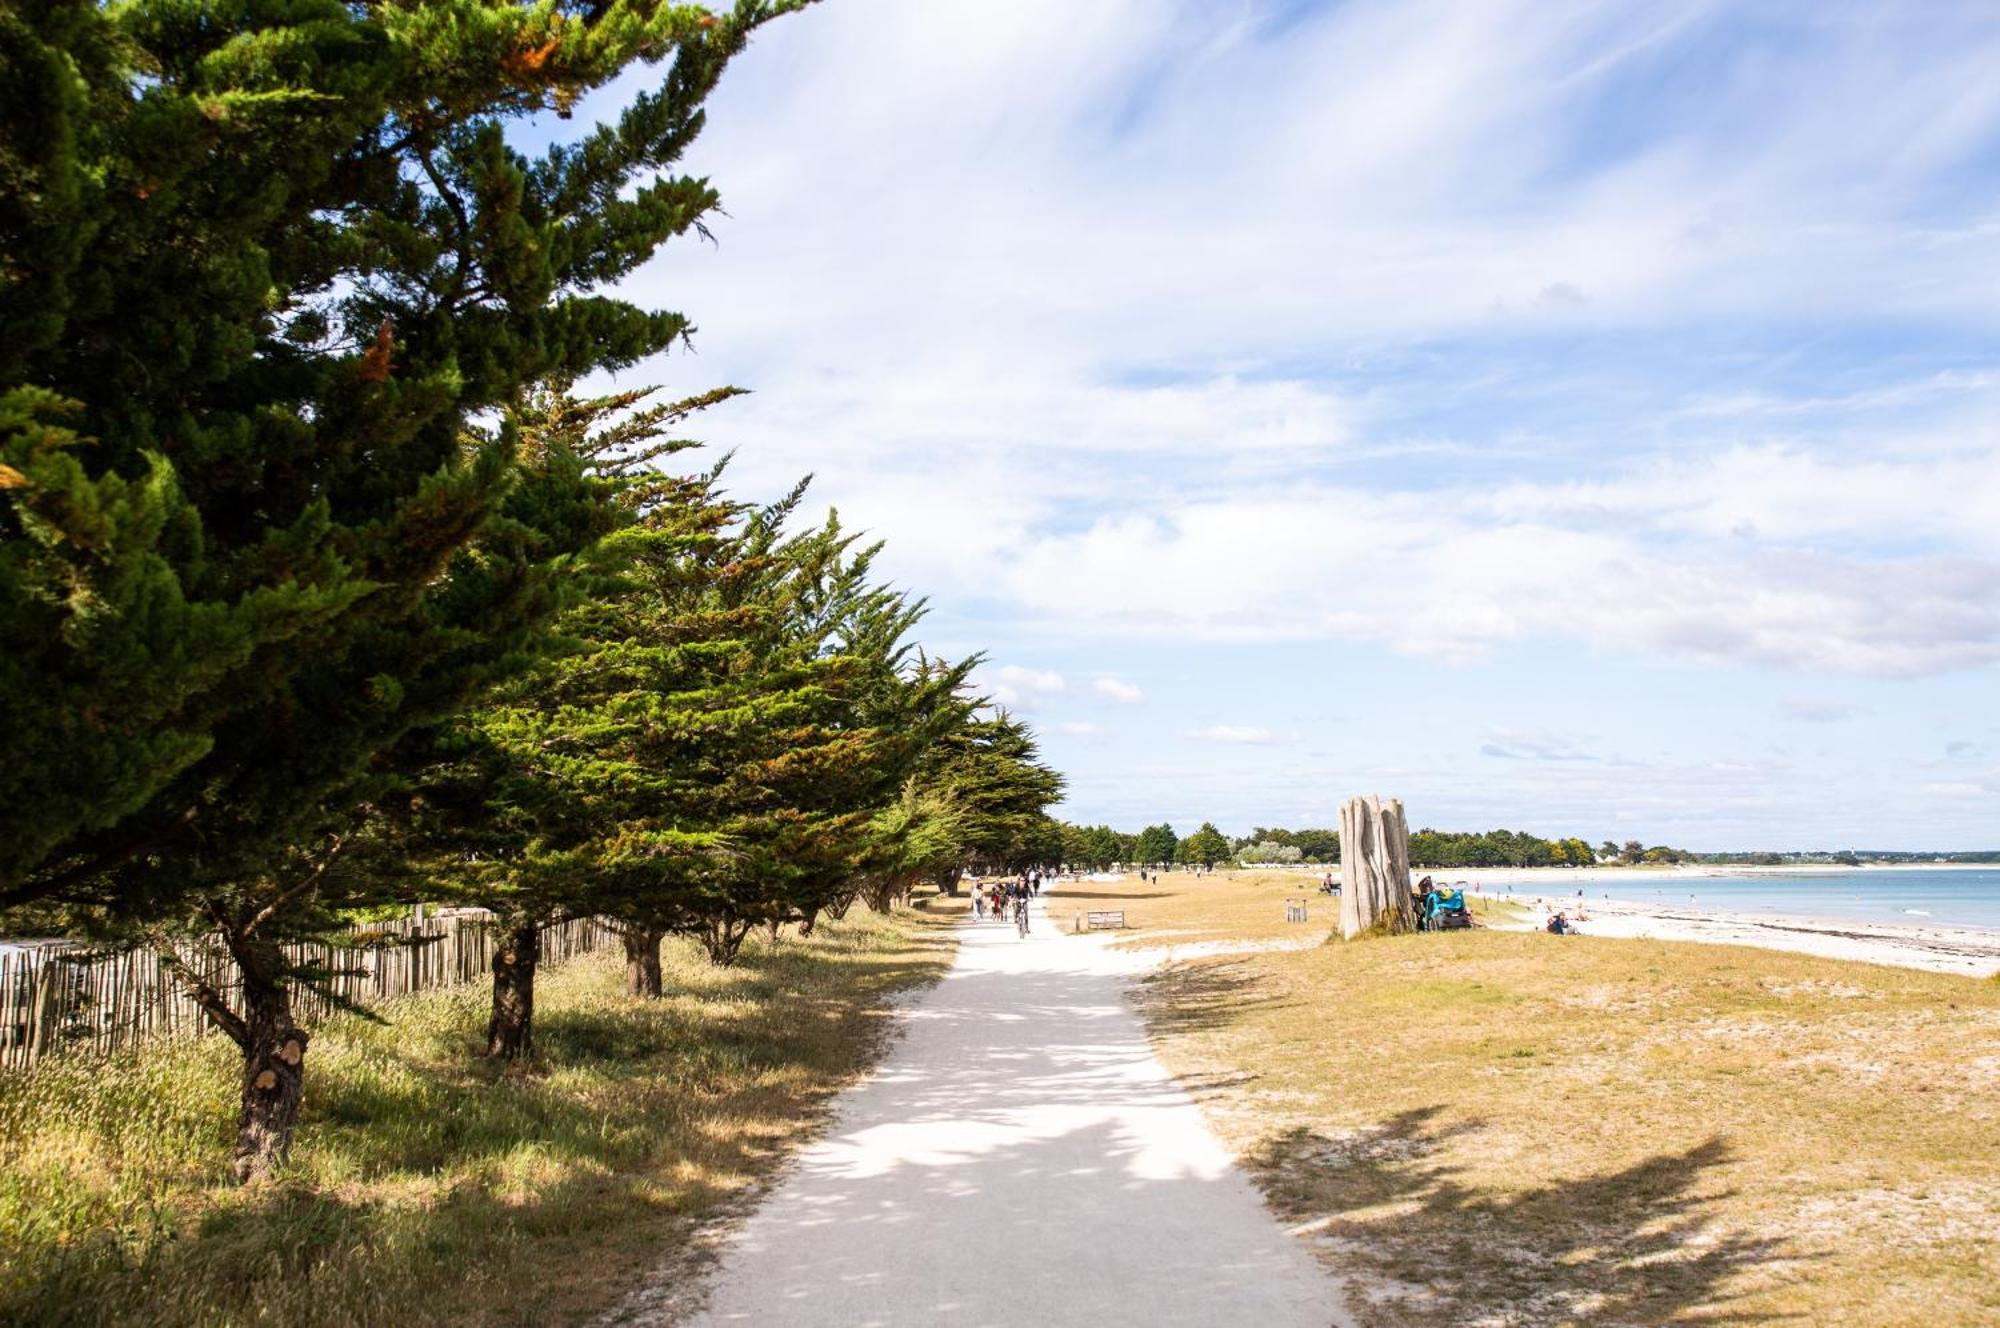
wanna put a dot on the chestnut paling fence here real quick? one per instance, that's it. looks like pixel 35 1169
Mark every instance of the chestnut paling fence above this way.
pixel 72 999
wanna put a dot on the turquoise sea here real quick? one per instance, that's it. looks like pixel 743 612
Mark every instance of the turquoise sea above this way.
pixel 1956 898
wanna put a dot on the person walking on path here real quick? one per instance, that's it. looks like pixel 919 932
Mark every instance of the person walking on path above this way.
pixel 1055 1119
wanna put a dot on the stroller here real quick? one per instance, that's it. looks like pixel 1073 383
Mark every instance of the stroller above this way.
pixel 1447 910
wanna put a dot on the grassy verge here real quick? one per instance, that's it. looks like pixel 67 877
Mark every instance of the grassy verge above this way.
pixel 1516 1128
pixel 427 1186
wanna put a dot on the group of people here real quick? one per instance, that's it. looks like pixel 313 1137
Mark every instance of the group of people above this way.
pixel 1002 900
pixel 1440 907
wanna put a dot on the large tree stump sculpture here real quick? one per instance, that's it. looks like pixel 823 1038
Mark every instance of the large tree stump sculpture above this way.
pixel 1374 867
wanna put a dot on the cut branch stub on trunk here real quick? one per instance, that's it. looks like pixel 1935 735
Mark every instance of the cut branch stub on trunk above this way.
pixel 1374 867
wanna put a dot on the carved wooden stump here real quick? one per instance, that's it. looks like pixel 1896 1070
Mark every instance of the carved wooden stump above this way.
pixel 1374 867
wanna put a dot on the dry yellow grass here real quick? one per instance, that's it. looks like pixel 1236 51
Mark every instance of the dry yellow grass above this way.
pixel 1508 1128
pixel 1181 908
pixel 429 1187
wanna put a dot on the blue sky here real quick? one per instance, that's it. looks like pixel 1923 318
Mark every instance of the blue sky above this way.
pixel 1575 417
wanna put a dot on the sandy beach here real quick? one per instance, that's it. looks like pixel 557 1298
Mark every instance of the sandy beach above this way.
pixel 1968 951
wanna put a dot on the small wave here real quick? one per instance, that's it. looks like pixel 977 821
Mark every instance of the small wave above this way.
pixel 1918 912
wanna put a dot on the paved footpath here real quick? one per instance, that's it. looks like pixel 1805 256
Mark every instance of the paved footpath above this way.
pixel 1020 1158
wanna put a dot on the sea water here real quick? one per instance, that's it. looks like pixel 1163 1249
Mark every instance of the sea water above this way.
pixel 1965 897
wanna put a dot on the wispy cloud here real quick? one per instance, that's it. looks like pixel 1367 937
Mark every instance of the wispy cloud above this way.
pixel 1021 688
pixel 1124 693
pixel 1517 746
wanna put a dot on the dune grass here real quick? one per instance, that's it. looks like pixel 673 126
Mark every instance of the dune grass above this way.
pixel 428 1186
pixel 1514 1128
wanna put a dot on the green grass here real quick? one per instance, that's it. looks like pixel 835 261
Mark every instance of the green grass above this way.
pixel 428 1186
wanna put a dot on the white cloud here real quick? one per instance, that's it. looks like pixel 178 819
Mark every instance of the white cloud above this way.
pixel 1065 390
pixel 1124 693
pixel 1077 728
pixel 1463 331
pixel 1020 688
pixel 1449 575
pixel 1955 789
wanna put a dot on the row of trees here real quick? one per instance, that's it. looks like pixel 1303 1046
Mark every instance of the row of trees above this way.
pixel 320 591
pixel 1496 848
pixel 1101 846
pixel 1632 853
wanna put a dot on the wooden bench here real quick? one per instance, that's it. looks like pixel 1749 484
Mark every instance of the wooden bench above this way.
pixel 1103 917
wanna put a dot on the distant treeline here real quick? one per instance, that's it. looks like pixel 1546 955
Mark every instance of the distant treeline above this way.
pixel 1096 847
pixel 1099 846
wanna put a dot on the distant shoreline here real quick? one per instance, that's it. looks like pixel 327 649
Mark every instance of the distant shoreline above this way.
pixel 1695 871
pixel 1651 872
pixel 1969 951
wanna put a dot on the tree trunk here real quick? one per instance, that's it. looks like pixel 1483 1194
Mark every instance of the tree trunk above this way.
pixel 274 1060
pixel 723 937
pixel 510 1033
pixel 642 961
pixel 1374 867
pixel 274 1076
pixel 271 1041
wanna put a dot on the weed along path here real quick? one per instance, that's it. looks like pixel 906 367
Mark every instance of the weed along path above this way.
pixel 1020 1157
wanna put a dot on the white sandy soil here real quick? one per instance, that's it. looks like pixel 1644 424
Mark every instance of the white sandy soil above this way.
pixel 1968 951
pixel 1020 1157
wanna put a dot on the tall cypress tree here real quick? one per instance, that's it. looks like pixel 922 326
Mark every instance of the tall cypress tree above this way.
pixel 263 269
pixel 989 772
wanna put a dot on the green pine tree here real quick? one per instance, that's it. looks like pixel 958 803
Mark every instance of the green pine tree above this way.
pixel 263 270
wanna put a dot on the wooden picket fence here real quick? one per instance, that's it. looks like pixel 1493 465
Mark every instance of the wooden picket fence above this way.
pixel 57 996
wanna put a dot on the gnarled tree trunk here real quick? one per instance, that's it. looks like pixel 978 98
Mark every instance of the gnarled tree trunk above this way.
pixel 1374 867
pixel 274 1076
pixel 272 1043
pixel 642 960
pixel 510 1032
pixel 723 937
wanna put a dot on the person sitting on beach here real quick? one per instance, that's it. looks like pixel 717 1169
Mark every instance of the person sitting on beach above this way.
pixel 1559 925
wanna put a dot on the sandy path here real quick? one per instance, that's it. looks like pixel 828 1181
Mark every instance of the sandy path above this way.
pixel 1021 1157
